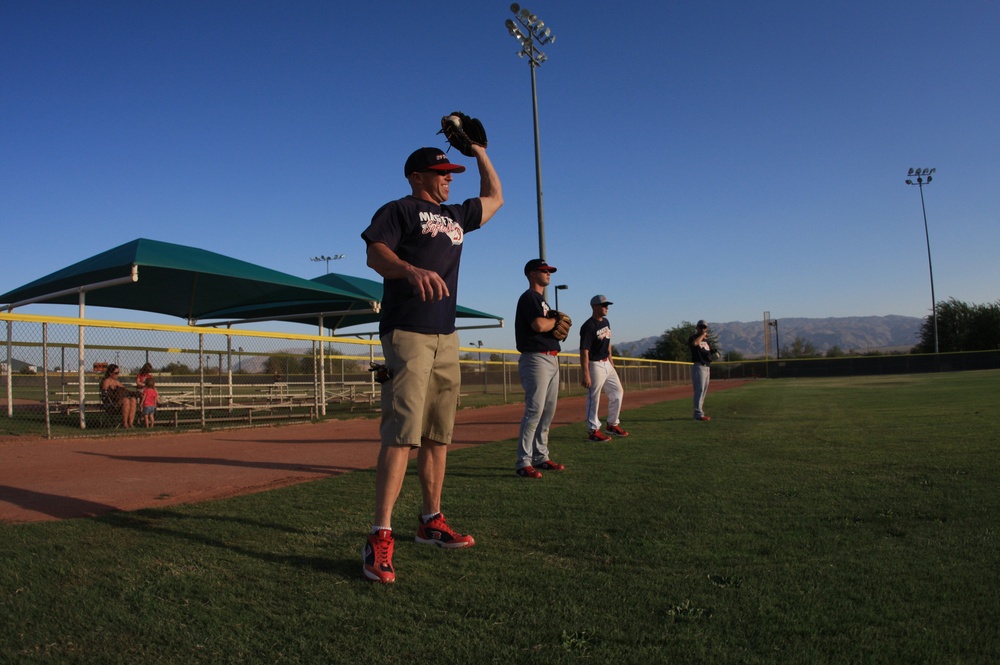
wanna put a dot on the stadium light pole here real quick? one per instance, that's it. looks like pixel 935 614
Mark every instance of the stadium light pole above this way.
pixel 777 339
pixel 923 176
pixel 532 31
pixel 561 287
pixel 482 367
pixel 323 257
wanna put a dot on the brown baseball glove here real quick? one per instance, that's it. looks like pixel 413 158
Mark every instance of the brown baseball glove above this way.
pixel 563 324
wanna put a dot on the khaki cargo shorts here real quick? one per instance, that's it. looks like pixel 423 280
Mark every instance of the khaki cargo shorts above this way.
pixel 422 397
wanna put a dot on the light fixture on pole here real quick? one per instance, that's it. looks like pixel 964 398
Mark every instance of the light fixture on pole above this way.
pixel 923 176
pixel 777 338
pixel 561 287
pixel 533 31
pixel 482 367
pixel 322 257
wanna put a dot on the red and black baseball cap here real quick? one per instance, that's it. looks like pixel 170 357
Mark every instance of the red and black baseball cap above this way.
pixel 429 159
pixel 537 264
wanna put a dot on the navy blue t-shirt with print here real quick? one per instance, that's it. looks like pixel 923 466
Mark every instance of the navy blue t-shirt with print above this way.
pixel 428 236
pixel 530 306
pixel 701 354
pixel 595 337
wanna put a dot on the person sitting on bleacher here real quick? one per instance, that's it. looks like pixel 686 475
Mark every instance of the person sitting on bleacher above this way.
pixel 115 393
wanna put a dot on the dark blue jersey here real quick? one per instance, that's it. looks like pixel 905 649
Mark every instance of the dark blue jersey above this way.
pixel 530 306
pixel 595 337
pixel 428 236
pixel 701 354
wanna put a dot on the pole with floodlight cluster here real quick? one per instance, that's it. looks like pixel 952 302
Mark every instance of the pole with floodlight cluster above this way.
pixel 335 257
pixel 532 32
pixel 920 175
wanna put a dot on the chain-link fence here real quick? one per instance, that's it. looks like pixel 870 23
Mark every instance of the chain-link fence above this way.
pixel 794 368
pixel 53 368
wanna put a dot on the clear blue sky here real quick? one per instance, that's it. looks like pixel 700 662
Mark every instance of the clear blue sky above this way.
pixel 708 159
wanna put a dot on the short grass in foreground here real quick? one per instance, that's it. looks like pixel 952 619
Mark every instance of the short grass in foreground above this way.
pixel 830 520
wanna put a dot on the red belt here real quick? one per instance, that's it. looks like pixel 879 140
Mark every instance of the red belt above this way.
pixel 549 353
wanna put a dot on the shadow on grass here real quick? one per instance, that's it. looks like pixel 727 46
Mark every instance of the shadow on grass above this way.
pixel 155 522
pixel 221 461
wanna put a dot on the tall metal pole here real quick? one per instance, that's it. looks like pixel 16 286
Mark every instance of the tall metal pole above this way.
pixel 920 173
pixel 482 367
pixel 560 287
pixel 532 31
pixel 538 168
pixel 930 267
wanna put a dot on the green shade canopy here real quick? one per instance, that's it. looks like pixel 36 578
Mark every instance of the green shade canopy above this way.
pixel 364 310
pixel 176 280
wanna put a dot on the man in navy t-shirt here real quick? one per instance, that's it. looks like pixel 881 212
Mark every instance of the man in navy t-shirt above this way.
pixel 701 361
pixel 538 369
pixel 415 244
pixel 598 373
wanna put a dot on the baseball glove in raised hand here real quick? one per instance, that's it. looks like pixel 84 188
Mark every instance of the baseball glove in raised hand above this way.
pixel 462 132
pixel 563 324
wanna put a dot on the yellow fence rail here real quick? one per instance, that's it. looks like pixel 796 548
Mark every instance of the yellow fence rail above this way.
pixel 211 377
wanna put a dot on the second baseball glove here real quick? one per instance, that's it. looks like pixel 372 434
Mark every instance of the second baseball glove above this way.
pixel 563 324
pixel 462 132
pixel 380 372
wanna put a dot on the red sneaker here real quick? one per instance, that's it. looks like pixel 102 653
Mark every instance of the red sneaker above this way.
pixel 437 532
pixel 597 435
pixel 528 472
pixel 377 556
pixel 705 418
pixel 549 465
pixel 616 430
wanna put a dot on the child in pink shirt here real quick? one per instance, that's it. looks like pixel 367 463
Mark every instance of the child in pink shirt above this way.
pixel 149 398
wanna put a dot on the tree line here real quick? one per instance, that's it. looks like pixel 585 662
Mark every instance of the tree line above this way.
pixel 961 327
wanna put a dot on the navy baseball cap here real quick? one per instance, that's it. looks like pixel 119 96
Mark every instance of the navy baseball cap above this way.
pixel 600 300
pixel 429 159
pixel 537 264
pixel 702 325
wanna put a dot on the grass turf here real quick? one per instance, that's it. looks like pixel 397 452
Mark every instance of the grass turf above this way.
pixel 811 521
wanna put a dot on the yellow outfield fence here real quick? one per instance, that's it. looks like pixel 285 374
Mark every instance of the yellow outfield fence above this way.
pixel 209 377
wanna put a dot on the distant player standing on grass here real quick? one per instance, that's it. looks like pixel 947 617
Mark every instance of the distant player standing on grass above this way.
pixel 535 326
pixel 415 244
pixel 598 371
pixel 701 358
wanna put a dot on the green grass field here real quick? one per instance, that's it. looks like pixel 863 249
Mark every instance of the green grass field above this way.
pixel 812 521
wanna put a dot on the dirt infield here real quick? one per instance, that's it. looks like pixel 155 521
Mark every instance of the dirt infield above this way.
pixel 50 480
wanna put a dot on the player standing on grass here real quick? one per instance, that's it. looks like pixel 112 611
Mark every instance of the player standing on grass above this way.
pixel 415 244
pixel 598 371
pixel 537 332
pixel 701 359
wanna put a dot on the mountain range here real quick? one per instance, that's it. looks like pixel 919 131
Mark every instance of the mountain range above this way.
pixel 858 334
